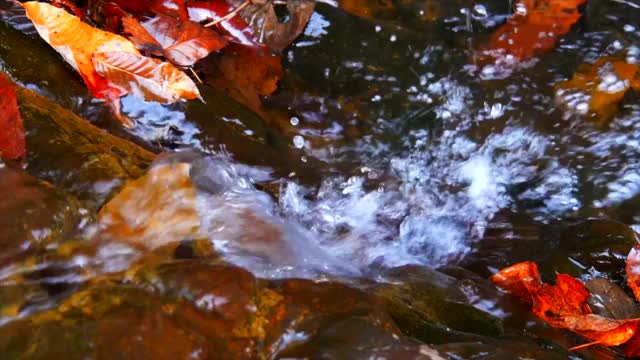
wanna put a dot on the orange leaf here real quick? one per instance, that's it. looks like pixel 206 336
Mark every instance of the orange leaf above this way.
pixel 608 332
pixel 633 270
pixel 603 85
pixel 564 304
pixel 534 28
pixel 76 42
pixel 145 77
pixel 553 303
pixel 521 279
pixel 182 42
pixel 110 65
pixel 12 142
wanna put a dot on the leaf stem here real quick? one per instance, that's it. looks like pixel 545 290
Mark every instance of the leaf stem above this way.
pixel 230 14
pixel 584 346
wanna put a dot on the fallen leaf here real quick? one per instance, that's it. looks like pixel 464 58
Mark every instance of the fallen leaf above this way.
pixel 246 73
pixel 533 29
pixel 207 11
pixel 600 86
pixel 12 142
pixel 110 65
pixel 77 42
pixel 268 28
pixel 609 300
pixel 144 77
pixel 608 332
pixel 181 42
pixel 154 210
pixel 632 347
pixel 521 279
pixel 173 8
pixel 563 305
pixel 553 303
pixel 633 270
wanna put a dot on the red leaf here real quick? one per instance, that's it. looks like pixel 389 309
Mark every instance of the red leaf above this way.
pixel 173 8
pixel 239 31
pixel 564 304
pixel 181 42
pixel 534 28
pixel 521 279
pixel 12 142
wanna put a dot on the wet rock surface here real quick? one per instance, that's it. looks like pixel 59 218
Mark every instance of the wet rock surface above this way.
pixel 282 236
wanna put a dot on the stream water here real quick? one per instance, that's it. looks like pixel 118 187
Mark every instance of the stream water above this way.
pixel 386 146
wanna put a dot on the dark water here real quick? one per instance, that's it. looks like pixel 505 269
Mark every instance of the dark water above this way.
pixel 385 145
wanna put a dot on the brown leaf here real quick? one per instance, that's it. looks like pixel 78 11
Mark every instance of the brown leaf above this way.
pixel 246 73
pixel 12 142
pixel 273 33
pixel 181 42
pixel 145 77
pixel 609 300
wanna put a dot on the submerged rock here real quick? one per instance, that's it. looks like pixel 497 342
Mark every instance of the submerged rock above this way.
pixel 188 197
pixel 36 214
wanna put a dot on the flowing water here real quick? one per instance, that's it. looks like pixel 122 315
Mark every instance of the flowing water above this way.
pixel 388 143
pixel 437 145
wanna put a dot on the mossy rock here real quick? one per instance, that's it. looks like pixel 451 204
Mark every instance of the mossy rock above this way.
pixel 78 157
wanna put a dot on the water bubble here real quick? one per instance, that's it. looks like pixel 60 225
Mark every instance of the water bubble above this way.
pixel 294 121
pixel 392 38
pixel 298 141
pixel 378 28
pixel 480 11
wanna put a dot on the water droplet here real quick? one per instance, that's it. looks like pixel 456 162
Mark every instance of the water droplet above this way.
pixel 294 121
pixel 298 141
pixel 392 38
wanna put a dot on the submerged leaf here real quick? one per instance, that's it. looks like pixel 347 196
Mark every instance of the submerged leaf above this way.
pixel 12 142
pixel 273 33
pixel 533 29
pixel 601 87
pixel 564 305
pixel 145 77
pixel 246 73
pixel 181 42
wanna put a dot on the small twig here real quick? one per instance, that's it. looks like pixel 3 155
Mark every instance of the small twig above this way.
pixel 196 76
pixel 584 346
pixel 230 15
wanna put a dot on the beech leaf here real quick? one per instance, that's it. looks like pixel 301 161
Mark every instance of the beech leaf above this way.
pixel 12 141
pixel 145 77
pixel 181 42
